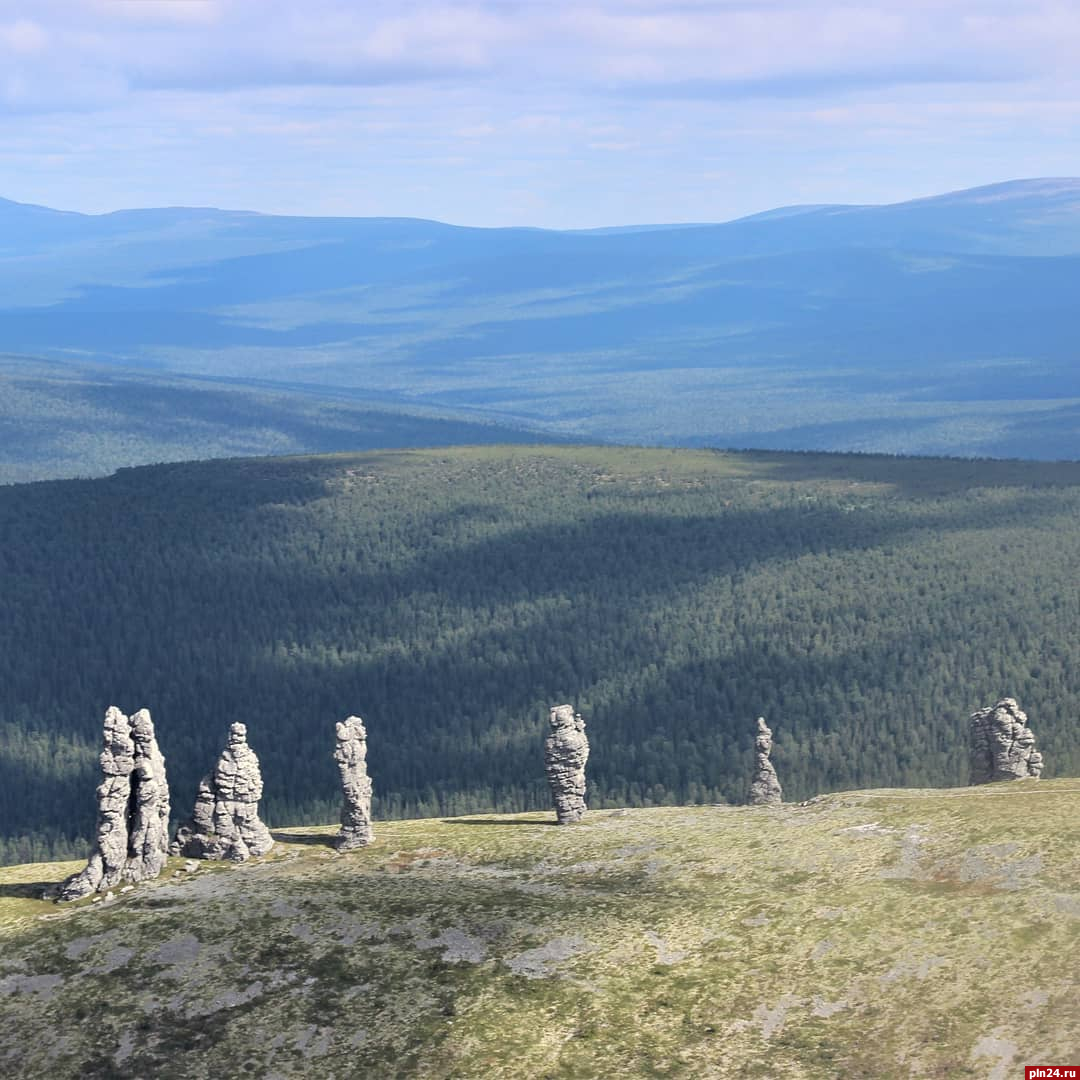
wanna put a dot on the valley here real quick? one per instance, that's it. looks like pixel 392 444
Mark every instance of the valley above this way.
pixel 935 326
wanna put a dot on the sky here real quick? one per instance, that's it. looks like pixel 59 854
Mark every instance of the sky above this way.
pixel 555 113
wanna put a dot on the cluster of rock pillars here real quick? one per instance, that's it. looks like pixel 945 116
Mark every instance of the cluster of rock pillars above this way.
pixel 133 797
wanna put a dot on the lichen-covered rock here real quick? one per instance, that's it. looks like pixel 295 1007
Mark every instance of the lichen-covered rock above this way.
pixel 1002 745
pixel 351 757
pixel 225 822
pixel 565 752
pixel 765 788
pixel 133 809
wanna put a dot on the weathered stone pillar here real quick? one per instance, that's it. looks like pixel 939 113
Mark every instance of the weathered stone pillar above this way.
pixel 765 788
pixel 133 809
pixel 351 757
pixel 1002 746
pixel 565 752
pixel 225 822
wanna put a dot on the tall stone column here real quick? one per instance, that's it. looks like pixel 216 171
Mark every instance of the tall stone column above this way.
pixel 765 788
pixel 133 809
pixel 351 757
pixel 565 752
pixel 225 822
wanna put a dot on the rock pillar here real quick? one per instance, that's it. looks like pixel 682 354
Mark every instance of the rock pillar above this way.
pixel 1002 745
pixel 351 757
pixel 565 752
pixel 133 809
pixel 225 822
pixel 765 788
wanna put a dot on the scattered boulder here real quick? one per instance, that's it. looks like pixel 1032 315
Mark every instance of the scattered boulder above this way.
pixel 765 788
pixel 133 809
pixel 225 822
pixel 351 757
pixel 565 752
pixel 1002 745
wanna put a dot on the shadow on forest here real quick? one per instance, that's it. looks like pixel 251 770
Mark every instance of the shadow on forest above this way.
pixel 493 821
pixel 911 475
pixel 209 418
pixel 27 890
pixel 523 616
pixel 312 838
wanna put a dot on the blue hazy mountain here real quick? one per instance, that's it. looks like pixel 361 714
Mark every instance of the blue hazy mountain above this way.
pixel 943 324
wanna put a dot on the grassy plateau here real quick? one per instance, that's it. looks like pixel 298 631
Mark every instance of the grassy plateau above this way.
pixel 889 933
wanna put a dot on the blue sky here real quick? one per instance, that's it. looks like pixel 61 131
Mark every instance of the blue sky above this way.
pixel 513 112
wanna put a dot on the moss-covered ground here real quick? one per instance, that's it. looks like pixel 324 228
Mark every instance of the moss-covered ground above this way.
pixel 865 934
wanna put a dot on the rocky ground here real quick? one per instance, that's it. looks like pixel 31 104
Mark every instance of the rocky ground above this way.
pixel 866 934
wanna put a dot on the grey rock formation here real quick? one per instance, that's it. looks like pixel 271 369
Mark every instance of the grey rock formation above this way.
pixel 565 752
pixel 351 757
pixel 225 822
pixel 765 788
pixel 1002 745
pixel 133 809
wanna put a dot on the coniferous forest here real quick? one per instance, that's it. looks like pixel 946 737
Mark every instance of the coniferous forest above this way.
pixel 865 605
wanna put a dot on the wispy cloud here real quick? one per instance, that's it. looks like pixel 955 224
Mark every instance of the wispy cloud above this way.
pixel 199 44
pixel 606 106
pixel 23 37
pixel 159 11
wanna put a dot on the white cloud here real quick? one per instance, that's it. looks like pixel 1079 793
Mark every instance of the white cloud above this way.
pixel 793 47
pixel 159 11
pixel 588 112
pixel 22 36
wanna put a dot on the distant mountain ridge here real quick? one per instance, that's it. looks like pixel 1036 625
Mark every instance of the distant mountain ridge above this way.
pixel 937 325
pixel 1066 187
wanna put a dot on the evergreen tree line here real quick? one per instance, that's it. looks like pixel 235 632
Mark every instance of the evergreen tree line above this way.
pixel 864 605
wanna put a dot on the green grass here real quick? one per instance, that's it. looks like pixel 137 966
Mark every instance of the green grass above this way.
pixel 867 934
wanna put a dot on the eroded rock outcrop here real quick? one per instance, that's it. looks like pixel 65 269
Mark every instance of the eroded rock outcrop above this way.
pixel 225 822
pixel 565 752
pixel 1002 745
pixel 133 809
pixel 765 788
pixel 351 757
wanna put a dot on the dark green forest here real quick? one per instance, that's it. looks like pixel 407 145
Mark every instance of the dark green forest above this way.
pixel 865 605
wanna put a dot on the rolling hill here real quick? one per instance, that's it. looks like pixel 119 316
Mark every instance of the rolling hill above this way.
pixel 62 419
pixel 941 325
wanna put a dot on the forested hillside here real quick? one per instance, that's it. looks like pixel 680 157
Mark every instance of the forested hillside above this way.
pixel 864 605
pixel 67 419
